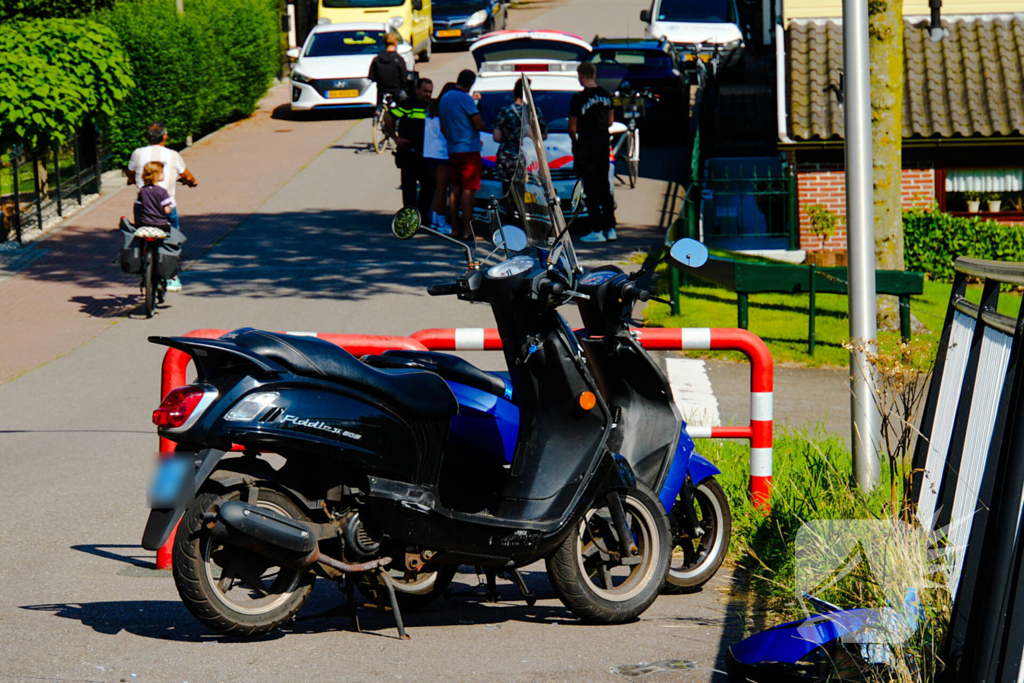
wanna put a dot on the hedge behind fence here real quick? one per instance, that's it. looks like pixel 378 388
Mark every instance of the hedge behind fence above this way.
pixel 195 71
pixel 933 241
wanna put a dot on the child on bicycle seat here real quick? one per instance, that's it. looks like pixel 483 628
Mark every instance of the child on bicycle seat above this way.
pixel 153 205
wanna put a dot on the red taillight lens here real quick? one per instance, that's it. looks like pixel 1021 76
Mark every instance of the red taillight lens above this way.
pixel 177 405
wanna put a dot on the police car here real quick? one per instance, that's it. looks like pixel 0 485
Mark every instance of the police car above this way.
pixel 550 59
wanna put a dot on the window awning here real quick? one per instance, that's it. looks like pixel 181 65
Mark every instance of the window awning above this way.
pixel 985 180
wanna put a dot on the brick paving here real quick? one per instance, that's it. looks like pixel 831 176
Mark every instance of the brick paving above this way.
pixel 60 292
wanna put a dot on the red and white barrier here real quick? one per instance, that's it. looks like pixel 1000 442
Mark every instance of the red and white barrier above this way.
pixel 758 432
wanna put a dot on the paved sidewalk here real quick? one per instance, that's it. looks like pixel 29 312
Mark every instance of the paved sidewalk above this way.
pixel 66 289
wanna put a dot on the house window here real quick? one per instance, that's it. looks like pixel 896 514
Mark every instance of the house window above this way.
pixel 984 185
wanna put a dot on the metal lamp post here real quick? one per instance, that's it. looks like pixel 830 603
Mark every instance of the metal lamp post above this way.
pixel 860 216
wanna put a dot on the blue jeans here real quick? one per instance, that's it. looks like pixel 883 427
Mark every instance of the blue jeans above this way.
pixel 172 245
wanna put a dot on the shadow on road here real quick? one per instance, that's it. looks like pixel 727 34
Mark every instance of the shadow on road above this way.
pixel 283 112
pixel 131 554
pixel 324 612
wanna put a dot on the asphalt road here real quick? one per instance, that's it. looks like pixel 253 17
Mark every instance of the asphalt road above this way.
pixel 79 602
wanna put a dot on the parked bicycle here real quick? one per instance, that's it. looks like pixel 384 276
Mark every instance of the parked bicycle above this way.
pixel 627 148
pixel 381 141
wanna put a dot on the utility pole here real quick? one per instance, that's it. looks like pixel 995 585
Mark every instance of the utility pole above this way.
pixel 860 229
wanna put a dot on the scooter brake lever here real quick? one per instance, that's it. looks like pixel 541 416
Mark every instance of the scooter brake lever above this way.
pixel 663 301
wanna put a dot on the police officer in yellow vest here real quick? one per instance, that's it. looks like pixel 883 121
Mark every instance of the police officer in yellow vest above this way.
pixel 410 117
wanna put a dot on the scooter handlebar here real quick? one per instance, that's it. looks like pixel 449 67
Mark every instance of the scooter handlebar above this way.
pixel 443 290
pixel 631 291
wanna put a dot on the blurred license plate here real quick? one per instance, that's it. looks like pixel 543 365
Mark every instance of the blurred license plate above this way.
pixel 530 198
pixel 338 94
pixel 449 33
pixel 172 483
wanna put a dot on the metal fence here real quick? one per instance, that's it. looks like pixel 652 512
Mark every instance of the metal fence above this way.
pixel 37 185
pixel 748 203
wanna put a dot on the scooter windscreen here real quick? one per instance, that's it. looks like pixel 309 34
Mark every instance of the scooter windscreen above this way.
pixel 533 194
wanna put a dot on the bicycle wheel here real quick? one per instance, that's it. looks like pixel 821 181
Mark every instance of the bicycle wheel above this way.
pixel 380 140
pixel 632 154
pixel 149 280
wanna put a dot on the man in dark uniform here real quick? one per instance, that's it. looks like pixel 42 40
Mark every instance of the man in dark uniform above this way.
pixel 590 116
pixel 408 136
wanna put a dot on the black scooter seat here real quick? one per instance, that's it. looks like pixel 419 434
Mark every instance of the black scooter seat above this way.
pixel 449 367
pixel 424 394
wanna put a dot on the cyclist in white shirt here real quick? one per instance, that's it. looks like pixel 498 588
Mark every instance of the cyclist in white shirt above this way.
pixel 174 168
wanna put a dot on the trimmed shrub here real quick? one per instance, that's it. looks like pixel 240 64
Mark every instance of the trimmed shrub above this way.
pixel 55 74
pixel 195 71
pixel 49 9
pixel 933 241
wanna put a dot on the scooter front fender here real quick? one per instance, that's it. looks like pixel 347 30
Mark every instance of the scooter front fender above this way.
pixel 686 462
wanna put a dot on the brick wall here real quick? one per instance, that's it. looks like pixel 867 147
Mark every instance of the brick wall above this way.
pixel 825 184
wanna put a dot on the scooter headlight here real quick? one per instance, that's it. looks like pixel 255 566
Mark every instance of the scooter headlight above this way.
pixel 251 407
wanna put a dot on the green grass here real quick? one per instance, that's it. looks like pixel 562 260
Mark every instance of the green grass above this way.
pixel 781 319
pixel 812 481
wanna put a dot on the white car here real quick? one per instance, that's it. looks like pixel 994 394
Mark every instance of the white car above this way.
pixel 686 23
pixel 550 59
pixel 332 69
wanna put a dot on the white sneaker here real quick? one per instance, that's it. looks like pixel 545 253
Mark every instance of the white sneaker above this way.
pixel 596 236
pixel 443 229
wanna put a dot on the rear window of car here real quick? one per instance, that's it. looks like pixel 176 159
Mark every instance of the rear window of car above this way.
pixel 702 12
pixel 339 43
pixel 648 59
pixel 554 104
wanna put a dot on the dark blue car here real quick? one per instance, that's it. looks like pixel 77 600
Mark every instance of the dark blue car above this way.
pixel 643 64
pixel 460 22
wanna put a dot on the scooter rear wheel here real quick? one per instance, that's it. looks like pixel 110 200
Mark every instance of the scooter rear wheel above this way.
pixel 695 561
pixel 593 585
pixel 234 591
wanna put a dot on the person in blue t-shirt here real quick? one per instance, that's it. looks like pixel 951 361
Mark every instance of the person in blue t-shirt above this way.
pixel 461 123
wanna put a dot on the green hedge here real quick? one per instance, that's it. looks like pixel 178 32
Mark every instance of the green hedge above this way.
pixel 195 71
pixel 933 240
pixel 49 9
pixel 55 74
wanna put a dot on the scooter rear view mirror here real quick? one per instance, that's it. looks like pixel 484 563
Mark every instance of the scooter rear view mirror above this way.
pixel 689 253
pixel 406 223
pixel 514 239
pixel 577 196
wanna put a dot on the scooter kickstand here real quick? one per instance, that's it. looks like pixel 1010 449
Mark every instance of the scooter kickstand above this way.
pixel 493 594
pixel 385 581
pixel 350 598
pixel 520 582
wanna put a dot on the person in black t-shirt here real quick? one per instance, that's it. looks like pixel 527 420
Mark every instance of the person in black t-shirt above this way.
pixel 590 115
pixel 388 71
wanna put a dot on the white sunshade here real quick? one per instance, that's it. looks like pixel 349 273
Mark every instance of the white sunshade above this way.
pixel 985 180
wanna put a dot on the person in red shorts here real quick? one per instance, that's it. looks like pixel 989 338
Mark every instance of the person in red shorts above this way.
pixel 461 123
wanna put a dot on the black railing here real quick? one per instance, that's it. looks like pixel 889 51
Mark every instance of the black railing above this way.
pixel 36 185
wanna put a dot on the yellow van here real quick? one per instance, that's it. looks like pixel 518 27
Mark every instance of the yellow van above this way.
pixel 411 18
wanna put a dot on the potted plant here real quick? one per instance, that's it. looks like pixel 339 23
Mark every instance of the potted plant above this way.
pixel 823 224
pixel 973 201
pixel 994 201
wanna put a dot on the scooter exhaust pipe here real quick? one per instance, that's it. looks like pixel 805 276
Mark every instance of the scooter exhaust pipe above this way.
pixel 291 542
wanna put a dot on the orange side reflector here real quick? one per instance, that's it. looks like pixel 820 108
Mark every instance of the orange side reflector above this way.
pixel 587 400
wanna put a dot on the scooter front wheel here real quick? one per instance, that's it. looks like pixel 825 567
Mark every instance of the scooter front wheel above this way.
pixel 234 591
pixel 587 573
pixel 695 560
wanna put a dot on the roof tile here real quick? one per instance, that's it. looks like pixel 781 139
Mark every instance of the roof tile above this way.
pixel 969 84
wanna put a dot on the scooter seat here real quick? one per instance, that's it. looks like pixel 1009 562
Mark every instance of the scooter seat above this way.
pixel 451 368
pixel 424 394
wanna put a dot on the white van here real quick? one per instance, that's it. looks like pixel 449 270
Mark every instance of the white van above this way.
pixel 686 23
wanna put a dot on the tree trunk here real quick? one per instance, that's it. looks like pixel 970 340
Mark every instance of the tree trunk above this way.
pixel 885 18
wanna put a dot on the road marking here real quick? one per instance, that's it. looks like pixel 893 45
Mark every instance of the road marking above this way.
pixel 691 389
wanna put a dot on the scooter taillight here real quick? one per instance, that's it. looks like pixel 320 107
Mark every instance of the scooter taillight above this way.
pixel 177 406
